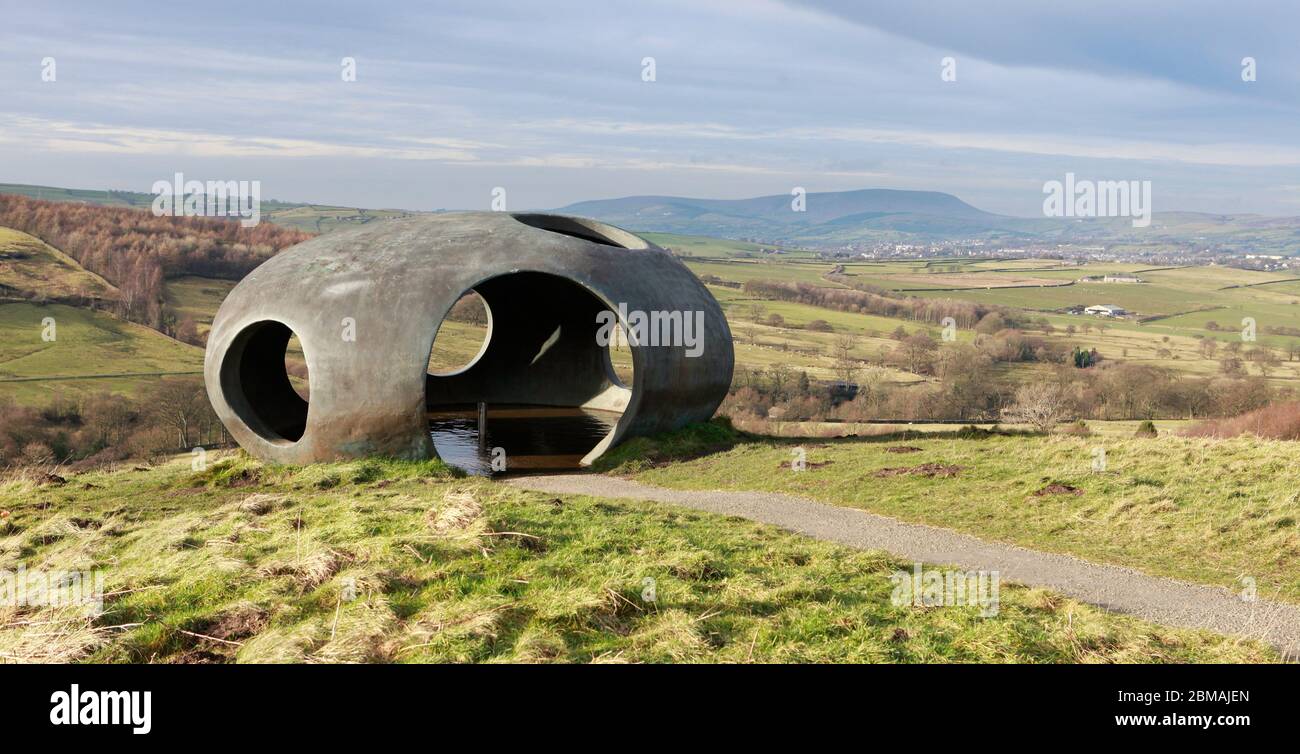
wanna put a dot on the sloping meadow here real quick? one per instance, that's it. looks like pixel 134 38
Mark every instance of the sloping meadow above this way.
pixel 405 562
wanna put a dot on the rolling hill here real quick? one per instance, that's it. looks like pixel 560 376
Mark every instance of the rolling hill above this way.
pixel 32 269
pixel 837 218
pixel 57 341
pixel 826 214
pixel 832 219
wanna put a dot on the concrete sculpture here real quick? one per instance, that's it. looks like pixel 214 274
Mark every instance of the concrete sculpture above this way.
pixel 366 304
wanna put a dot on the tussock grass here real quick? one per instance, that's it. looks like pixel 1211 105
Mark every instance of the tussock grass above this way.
pixel 405 562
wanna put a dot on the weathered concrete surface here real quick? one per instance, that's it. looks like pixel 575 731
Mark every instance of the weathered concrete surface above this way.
pixel 544 277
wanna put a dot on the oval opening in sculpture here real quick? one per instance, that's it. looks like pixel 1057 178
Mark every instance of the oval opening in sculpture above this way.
pixel 256 382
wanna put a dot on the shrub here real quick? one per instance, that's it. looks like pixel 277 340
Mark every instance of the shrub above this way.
pixel 1280 421
pixel 1146 429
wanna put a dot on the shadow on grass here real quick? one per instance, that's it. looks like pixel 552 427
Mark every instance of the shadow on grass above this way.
pixel 692 441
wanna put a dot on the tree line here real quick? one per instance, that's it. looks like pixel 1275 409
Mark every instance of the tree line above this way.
pixel 106 427
pixel 868 299
pixel 136 251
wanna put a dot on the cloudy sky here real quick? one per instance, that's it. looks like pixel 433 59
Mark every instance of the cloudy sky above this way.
pixel 751 97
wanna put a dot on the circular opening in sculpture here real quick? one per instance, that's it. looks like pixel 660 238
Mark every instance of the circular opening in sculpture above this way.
pixel 462 337
pixel 256 381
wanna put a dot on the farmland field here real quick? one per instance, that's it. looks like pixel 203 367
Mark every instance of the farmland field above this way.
pixel 91 352
pixel 1178 307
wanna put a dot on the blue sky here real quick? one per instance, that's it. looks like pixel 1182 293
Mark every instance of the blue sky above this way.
pixel 547 99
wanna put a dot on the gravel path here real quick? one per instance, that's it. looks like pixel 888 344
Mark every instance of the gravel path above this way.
pixel 1124 590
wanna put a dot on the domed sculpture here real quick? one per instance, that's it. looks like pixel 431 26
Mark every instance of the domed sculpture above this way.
pixel 366 304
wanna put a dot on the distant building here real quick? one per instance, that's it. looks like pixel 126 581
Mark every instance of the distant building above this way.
pixel 1121 278
pixel 1106 310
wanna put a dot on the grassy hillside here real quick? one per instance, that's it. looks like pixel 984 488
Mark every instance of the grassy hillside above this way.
pixel 1211 511
pixel 29 268
pixel 400 562
pixel 89 348
pixel 197 298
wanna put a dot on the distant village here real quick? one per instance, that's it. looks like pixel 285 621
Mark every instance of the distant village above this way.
pixel 1161 254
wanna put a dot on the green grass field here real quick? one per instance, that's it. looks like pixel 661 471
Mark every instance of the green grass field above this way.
pixel 1200 510
pixel 197 298
pixel 400 562
pixel 88 348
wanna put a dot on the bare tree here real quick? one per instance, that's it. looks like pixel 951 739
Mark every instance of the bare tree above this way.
pixel 1040 404
pixel 916 353
pixel 846 367
pixel 179 404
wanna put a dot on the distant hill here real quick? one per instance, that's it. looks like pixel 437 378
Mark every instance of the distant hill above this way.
pixel 827 215
pixel 831 219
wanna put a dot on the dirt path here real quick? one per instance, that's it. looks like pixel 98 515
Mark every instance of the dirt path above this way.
pixel 1124 590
